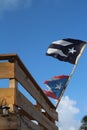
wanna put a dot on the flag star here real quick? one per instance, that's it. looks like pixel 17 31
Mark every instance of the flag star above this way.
pixel 72 50
pixel 58 86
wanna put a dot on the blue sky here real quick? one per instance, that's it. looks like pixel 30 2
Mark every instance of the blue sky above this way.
pixel 27 27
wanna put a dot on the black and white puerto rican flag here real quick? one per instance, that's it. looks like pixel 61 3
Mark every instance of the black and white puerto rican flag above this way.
pixel 68 50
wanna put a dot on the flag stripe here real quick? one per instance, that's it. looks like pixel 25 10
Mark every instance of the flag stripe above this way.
pixel 56 77
pixel 50 94
pixel 62 42
pixel 76 41
pixel 61 76
pixel 53 51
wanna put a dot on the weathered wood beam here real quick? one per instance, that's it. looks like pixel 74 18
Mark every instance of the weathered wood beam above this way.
pixel 34 112
pixel 24 113
pixel 27 124
pixel 8 56
pixel 34 91
pixel 6 70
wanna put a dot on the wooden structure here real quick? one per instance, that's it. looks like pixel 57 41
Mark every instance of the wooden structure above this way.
pixel 24 114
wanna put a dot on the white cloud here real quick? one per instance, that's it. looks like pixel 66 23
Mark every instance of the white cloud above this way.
pixel 67 113
pixel 12 4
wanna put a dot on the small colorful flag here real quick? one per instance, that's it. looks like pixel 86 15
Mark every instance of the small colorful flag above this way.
pixel 56 85
pixel 68 50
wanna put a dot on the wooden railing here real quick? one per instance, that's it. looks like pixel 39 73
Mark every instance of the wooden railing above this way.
pixel 23 113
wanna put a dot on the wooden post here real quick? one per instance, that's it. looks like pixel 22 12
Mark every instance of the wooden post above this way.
pixel 13 84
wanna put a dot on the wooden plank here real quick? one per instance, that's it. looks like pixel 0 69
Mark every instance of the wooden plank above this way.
pixel 8 123
pixel 24 113
pixel 7 96
pixel 34 91
pixel 8 56
pixel 6 70
pixel 34 112
pixel 26 124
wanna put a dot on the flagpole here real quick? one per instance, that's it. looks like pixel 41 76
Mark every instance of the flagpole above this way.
pixel 66 85
pixel 76 63
pixel 72 72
